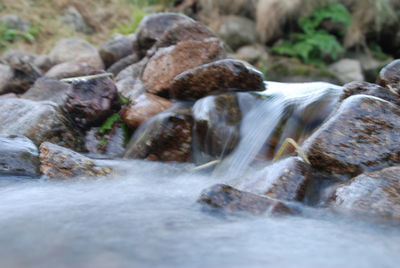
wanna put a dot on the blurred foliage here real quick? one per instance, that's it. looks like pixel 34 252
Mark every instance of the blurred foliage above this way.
pixel 314 44
pixel 9 35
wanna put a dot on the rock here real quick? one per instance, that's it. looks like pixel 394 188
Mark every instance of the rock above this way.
pixel 15 22
pixel 171 61
pixel 371 66
pixel 165 137
pixel 221 76
pixel 77 50
pixel 69 69
pixel 153 26
pixel 43 62
pixel 6 75
pixel 19 156
pixel 252 54
pixel 114 50
pixel 389 76
pixel 38 121
pixel 73 18
pixel 57 162
pixel 90 102
pixel 362 135
pixel 111 143
pixel 143 108
pixel 365 88
pixel 130 88
pixel 237 31
pixel 132 71
pixel 227 199
pixel 9 96
pixel 370 194
pixel 47 89
pixel 123 63
pixel 19 60
pixel 347 70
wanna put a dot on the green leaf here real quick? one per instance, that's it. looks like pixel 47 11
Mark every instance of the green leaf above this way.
pixel 108 124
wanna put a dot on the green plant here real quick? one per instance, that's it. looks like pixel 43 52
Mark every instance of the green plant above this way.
pixel 9 35
pixel 108 125
pixel 314 43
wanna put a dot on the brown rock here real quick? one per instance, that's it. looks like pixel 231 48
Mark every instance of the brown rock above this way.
pixel 69 69
pixel 389 76
pixel 165 137
pixel 143 108
pixel 362 135
pixel 171 61
pixel 225 198
pixel 91 101
pixel 370 194
pixel 222 75
pixel 57 162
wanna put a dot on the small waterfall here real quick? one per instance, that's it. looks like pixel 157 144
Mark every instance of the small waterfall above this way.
pixel 292 110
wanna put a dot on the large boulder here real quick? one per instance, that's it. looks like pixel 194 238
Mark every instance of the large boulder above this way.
pixel 18 156
pixel 370 194
pixel 219 76
pixel 39 121
pixel 165 137
pixel 57 162
pixel 48 89
pixel 389 76
pixel 224 198
pixel 362 135
pixel 168 62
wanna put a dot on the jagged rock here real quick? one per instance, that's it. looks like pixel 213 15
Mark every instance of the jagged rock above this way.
pixel 69 69
pixel 370 194
pixel 77 50
pixel 114 50
pixel 6 75
pixel 365 88
pixel 47 89
pixel 153 26
pixel 18 156
pixel 347 70
pixel 227 199
pixel 123 64
pixel 39 121
pixel 57 162
pixel 130 88
pixel 90 102
pixel 73 18
pixel 168 62
pixel 221 76
pixel 362 135
pixel 165 137
pixel 389 76
pixel 237 31
pixel 143 108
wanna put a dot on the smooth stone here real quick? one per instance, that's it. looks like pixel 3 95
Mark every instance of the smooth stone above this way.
pixel 46 89
pixel 114 50
pixel 69 69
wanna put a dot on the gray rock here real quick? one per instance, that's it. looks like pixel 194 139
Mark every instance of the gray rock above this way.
pixel 389 77
pixel 73 18
pixel 347 70
pixel 46 89
pixel 252 54
pixel 124 63
pixel 130 88
pixel 39 121
pixel 6 74
pixel 19 156
pixel 115 49
pixel 134 70
pixel 69 69
pixel 15 22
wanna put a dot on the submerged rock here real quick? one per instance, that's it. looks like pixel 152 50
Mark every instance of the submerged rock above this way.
pixel 361 136
pixel 19 156
pixel 48 89
pixel 222 75
pixel 168 62
pixel 389 76
pixel 370 194
pixel 165 137
pixel 57 162
pixel 227 199
pixel 91 101
pixel 39 121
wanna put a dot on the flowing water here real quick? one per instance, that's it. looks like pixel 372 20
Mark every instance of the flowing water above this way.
pixel 146 215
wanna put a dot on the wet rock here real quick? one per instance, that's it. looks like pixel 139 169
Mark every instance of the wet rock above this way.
pixel 77 50
pixel 111 143
pixel 73 18
pixel 222 76
pixel 365 88
pixel 132 71
pixel 69 69
pixel 389 76
pixel 19 156
pixel 39 121
pixel 237 31
pixel 153 26
pixel 57 162
pixel 370 194
pixel 165 137
pixel 227 199
pixel 284 180
pixel 130 88
pixel 347 70
pixel 47 89
pixel 6 75
pixel 143 108
pixel 114 50
pixel 362 135
pixel 91 101
pixel 171 61
pixel 123 64
pixel 15 22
